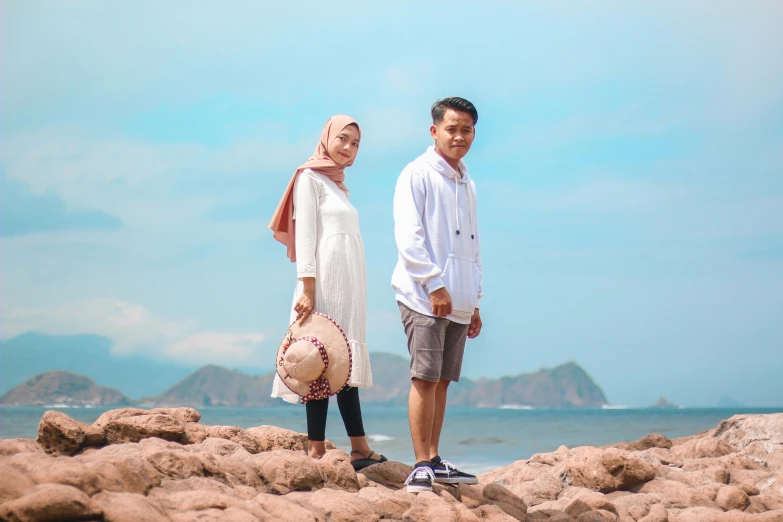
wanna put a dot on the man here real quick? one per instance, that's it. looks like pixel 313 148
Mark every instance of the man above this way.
pixel 437 280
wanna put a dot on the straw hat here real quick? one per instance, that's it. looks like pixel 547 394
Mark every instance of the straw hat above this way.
pixel 314 359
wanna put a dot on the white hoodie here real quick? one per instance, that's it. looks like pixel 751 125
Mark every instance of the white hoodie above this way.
pixel 437 236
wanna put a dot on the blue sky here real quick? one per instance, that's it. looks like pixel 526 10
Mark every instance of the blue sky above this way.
pixel 629 164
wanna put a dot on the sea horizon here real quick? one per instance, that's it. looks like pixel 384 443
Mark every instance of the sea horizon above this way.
pixel 476 439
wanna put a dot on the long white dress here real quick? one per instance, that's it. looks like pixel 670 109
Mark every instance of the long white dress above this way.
pixel 329 247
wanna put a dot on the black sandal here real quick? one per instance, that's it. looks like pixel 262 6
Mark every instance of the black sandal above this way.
pixel 366 461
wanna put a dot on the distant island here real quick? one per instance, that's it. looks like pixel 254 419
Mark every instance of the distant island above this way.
pixel 566 386
pixel 63 389
pixel 664 404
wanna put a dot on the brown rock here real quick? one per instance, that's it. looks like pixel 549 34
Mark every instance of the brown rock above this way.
pixel 119 413
pixel 655 440
pixel 703 448
pixel 60 470
pixel 497 495
pixel 195 500
pixel 657 513
pixel 584 503
pixel 10 447
pixel 391 474
pixel 765 501
pixel 285 471
pixel 597 515
pixel 222 447
pixel 339 506
pixel 337 471
pixel 13 484
pixel 231 514
pixel 731 498
pixel 662 456
pixel 50 502
pixel 387 503
pixel 229 471
pixel 638 506
pixel 495 514
pixel 176 463
pixel 194 433
pixel 550 515
pixel 181 414
pixel 60 434
pixel 266 507
pixel 605 470
pixel 134 429
pixel 129 507
pixel 676 494
pixel 270 438
pixel 430 507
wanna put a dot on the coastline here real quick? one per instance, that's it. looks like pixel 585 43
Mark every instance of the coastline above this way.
pixel 165 463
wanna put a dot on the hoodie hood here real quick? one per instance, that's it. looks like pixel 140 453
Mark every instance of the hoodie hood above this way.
pixel 436 161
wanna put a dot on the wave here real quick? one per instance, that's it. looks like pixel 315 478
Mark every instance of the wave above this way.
pixel 379 438
pixel 516 407
pixel 613 407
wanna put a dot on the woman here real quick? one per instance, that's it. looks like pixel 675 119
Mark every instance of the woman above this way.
pixel 320 228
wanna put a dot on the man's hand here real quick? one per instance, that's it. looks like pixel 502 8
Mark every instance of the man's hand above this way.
pixel 441 302
pixel 475 325
pixel 304 305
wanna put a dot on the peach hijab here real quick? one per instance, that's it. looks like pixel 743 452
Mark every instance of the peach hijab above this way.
pixel 282 224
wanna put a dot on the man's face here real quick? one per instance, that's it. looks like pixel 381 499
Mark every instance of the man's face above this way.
pixel 453 135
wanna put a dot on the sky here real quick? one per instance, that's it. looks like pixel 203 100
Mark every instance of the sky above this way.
pixel 628 162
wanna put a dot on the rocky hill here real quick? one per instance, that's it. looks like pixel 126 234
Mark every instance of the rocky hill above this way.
pixel 62 388
pixel 566 386
pixel 217 386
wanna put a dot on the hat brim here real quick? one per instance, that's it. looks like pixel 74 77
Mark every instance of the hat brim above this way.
pixel 326 330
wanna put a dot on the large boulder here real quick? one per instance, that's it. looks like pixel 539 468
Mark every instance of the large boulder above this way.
pixel 136 428
pixel 13 483
pixel 126 507
pixel 605 470
pixel 59 434
pixel 10 447
pixel 285 471
pixel 50 502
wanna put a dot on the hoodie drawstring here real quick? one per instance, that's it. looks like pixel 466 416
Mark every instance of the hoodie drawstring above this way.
pixel 470 209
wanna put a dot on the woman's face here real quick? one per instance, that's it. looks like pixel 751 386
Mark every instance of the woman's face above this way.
pixel 345 145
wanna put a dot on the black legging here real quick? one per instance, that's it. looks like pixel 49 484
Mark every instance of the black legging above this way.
pixel 350 409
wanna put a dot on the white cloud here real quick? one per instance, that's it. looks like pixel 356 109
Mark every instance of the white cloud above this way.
pixel 134 329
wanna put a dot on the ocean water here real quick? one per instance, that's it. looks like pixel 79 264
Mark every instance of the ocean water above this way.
pixel 475 439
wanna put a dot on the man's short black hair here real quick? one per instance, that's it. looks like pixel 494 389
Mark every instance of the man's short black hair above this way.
pixel 440 107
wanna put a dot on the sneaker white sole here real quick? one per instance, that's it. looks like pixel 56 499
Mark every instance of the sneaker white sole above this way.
pixel 456 480
pixel 418 489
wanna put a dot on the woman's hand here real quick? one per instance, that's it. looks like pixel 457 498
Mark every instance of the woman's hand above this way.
pixel 304 305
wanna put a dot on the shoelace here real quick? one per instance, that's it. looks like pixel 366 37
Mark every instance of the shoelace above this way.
pixel 420 473
pixel 449 466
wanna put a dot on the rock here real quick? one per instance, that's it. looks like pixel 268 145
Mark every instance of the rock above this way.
pixel 285 471
pixel 534 483
pixel 731 498
pixel 703 448
pixel 584 503
pixel 60 434
pixel 597 515
pixel 230 471
pixel 275 508
pixel 338 506
pixel 337 471
pixel 59 470
pixel 387 503
pixel 134 429
pixel 181 414
pixel 195 500
pixel 660 456
pixel 112 415
pixel 640 506
pixel 10 447
pixel 655 440
pixel 391 474
pixel 50 502
pixel 270 438
pixel 495 514
pixel 605 470
pixel 231 514
pixel 13 484
pixel 550 515
pixel 129 507
pixel 675 494
pixel 176 463
pixel 194 433
pixel 430 507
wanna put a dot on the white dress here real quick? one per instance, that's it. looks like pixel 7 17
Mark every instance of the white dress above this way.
pixel 329 247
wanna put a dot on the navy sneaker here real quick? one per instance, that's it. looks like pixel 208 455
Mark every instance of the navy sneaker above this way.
pixel 420 478
pixel 447 473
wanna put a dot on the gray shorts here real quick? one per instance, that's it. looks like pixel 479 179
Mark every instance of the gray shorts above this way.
pixel 436 345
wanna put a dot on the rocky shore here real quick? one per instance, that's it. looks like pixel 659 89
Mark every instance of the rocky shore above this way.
pixel 134 465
